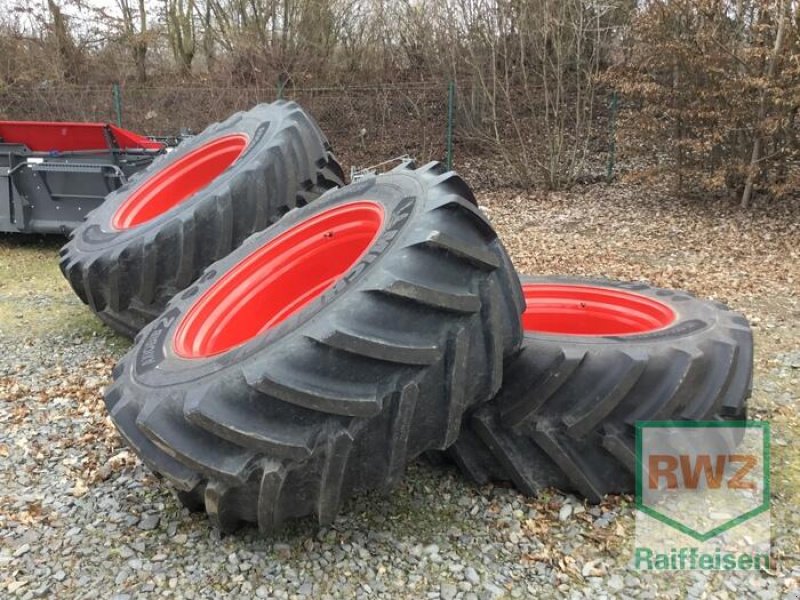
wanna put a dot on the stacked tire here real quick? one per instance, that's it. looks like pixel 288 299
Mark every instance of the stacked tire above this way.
pixel 325 353
pixel 155 235
pixel 297 344
pixel 598 357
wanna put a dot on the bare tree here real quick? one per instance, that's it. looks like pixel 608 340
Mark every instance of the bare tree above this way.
pixel 205 14
pixel 781 7
pixel 65 45
pixel 709 87
pixel 180 16
pixel 719 108
pixel 135 33
pixel 536 67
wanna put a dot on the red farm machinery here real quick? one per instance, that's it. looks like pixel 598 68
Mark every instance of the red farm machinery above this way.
pixel 53 174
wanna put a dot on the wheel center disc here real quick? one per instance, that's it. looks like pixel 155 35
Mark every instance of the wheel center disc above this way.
pixel 279 279
pixel 588 310
pixel 176 182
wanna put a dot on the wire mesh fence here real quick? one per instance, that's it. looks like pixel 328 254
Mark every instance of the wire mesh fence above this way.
pixel 366 124
pixel 374 120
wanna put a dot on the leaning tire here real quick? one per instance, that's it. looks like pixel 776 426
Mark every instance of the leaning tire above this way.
pixel 597 357
pixel 325 353
pixel 156 234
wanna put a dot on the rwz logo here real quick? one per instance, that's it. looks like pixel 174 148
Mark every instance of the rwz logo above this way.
pixel 702 478
pixel 685 471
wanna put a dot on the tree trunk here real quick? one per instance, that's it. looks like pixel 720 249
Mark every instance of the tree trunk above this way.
pixel 140 46
pixel 139 59
pixel 66 47
pixel 208 40
pixel 181 31
pixel 762 105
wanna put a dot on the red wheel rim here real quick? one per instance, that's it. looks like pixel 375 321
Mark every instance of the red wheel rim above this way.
pixel 587 310
pixel 279 279
pixel 176 182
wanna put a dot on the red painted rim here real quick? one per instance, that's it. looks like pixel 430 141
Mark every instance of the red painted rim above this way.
pixel 587 310
pixel 177 181
pixel 279 279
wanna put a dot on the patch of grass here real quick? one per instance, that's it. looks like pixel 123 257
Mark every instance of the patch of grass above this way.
pixel 27 316
pixel 36 300
pixel 30 264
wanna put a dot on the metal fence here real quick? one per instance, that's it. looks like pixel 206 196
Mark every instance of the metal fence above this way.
pixel 366 124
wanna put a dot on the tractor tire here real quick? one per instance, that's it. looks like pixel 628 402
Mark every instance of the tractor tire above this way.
pixel 325 353
pixel 597 357
pixel 154 236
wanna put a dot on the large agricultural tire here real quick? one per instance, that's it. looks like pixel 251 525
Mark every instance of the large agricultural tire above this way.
pixel 597 357
pixel 325 353
pixel 154 236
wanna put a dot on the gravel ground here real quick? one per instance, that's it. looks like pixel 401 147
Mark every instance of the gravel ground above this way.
pixel 81 517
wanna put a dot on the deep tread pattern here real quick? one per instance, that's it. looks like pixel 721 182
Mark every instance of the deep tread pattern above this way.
pixel 331 479
pixel 529 389
pixel 246 421
pixel 474 255
pixel 189 445
pixel 385 349
pixel 127 277
pixel 511 455
pixel 359 400
pixel 357 385
pixel 567 411
pixel 400 432
pixel 584 417
pixel 432 296
pixel 455 386
pixel 471 456
pixel 124 415
pixel 270 492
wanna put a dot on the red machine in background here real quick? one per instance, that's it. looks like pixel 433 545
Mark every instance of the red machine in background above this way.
pixel 53 174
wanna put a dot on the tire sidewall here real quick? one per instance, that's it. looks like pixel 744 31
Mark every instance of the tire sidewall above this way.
pixel 154 363
pixel 260 124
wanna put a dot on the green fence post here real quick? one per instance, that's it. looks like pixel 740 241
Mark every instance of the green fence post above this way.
pixel 451 100
pixel 612 135
pixel 279 88
pixel 115 92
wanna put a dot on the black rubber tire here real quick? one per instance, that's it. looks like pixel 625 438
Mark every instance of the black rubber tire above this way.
pixel 127 276
pixel 565 417
pixel 339 397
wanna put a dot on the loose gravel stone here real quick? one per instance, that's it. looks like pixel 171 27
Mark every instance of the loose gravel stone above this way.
pixel 565 512
pixel 491 592
pixel 149 522
pixel 306 589
pixel 472 576
pixel 283 551
pixel 616 583
pixel 447 591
